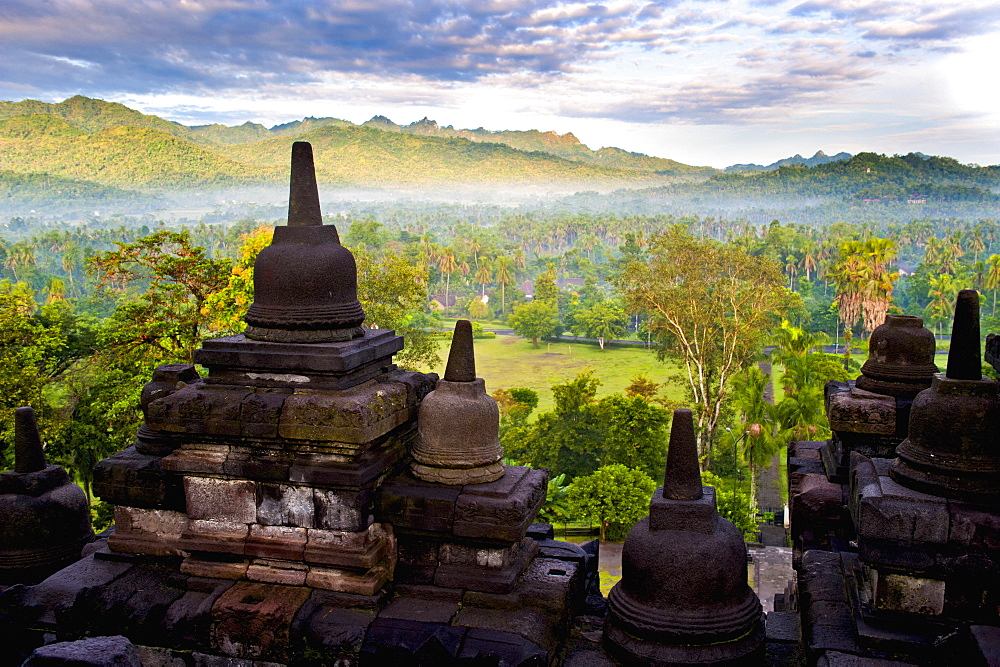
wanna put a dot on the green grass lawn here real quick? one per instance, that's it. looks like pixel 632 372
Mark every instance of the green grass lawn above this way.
pixel 511 361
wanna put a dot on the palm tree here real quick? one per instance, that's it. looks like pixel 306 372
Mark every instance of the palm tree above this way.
pixel 943 292
pixel 447 265
pixel 993 278
pixel 504 277
pixel 483 275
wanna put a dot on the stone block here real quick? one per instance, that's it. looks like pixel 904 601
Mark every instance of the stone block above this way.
pixel 347 581
pixel 361 550
pixel 115 651
pixel 490 569
pixel 285 505
pixel 283 542
pixel 413 505
pixel 198 457
pixel 221 499
pixel 417 559
pixel 138 480
pixel 261 411
pixel 199 408
pixel 281 572
pixel 252 620
pixel 501 510
pixel 153 532
pixel 902 514
pixel 55 601
pixel 188 621
pixel 258 463
pixel 226 537
pixel 861 411
pixel 343 509
pixel 356 416
pixel 974 527
pixel 133 604
pixel 529 624
pixel 404 641
pixel 688 515
pixel 329 633
pixel 552 586
pixel 417 609
pixel 349 466
pixel 215 569
pixel 502 647
pixel 916 595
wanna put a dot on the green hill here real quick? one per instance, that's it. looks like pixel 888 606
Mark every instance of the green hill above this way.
pixel 566 146
pixel 93 115
pixel 352 155
pixel 121 156
pixel 866 176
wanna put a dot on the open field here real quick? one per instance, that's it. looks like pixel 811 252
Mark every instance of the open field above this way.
pixel 511 361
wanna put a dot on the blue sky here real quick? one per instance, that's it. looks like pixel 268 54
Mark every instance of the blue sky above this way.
pixel 702 82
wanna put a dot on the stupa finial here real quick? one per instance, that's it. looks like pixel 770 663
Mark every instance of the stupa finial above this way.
pixel 682 480
pixel 303 193
pixel 462 358
pixel 965 352
pixel 28 453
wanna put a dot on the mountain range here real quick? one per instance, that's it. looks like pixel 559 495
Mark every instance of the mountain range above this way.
pixel 88 150
pixel 109 144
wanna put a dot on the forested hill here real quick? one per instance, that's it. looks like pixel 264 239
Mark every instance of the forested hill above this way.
pixel 111 145
pixel 865 177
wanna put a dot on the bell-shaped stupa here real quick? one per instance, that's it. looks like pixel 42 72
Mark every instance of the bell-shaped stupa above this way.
pixel 46 517
pixel 953 448
pixel 683 597
pixel 305 282
pixel 459 423
pixel 900 358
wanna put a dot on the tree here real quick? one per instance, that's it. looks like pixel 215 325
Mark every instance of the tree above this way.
pixel 504 277
pixel 604 321
pixel 447 265
pixel 614 495
pixel 28 353
pixel 535 319
pixel 711 305
pixel 164 321
pixel 634 433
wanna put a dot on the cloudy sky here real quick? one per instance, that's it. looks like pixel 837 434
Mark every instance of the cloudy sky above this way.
pixel 700 81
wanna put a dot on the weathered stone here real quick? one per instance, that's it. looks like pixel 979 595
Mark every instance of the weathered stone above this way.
pixel 147 531
pixel 198 457
pixel 862 411
pixel 329 630
pixel 188 621
pixel 115 651
pixel 284 572
pixel 138 480
pixel 414 505
pixel 214 569
pixel 347 581
pixel 285 505
pixel 899 592
pixel 361 550
pixel 504 647
pixel 199 408
pixel 228 537
pixel 483 569
pixel 342 510
pixel 226 500
pixel 501 510
pixel 357 417
pixel 260 412
pixel 393 640
pixel 276 542
pixel 252 620
pixel 900 358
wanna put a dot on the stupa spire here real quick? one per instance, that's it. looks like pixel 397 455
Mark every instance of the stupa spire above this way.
pixel 28 453
pixel 461 358
pixel 303 193
pixel 682 479
pixel 965 353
